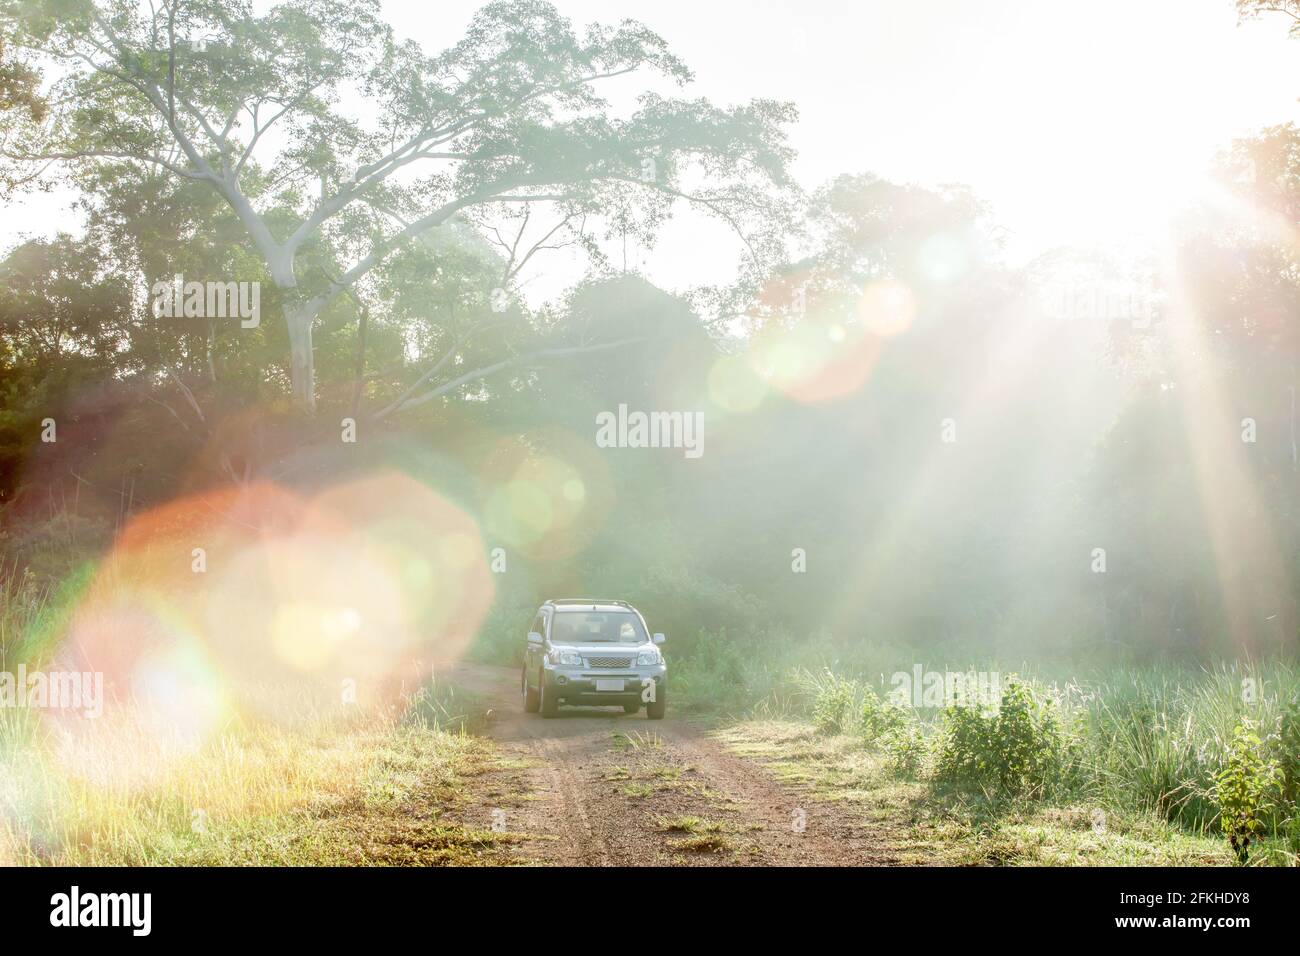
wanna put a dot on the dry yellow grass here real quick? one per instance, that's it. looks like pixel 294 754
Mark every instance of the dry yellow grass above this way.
pixel 368 787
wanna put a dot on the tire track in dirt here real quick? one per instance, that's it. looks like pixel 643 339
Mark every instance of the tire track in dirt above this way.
pixel 596 787
pixel 589 844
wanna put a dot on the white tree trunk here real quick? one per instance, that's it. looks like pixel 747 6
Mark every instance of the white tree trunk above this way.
pixel 302 367
pixel 298 316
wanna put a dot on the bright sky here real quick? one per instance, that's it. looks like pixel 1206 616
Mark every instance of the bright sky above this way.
pixel 1081 124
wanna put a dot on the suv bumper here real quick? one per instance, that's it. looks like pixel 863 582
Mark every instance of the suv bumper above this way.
pixel 577 685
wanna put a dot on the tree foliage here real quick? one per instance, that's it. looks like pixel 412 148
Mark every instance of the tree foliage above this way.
pixel 378 142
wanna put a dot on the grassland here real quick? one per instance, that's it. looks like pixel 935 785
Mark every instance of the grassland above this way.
pixel 307 781
pixel 1117 765
pixel 371 788
pixel 1121 770
pixel 966 830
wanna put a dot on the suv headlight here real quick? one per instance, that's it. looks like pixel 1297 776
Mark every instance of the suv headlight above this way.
pixel 565 658
pixel 650 655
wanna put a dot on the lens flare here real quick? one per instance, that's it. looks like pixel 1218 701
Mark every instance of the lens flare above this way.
pixel 735 386
pixel 836 336
pixel 886 308
pixel 549 502
pixel 245 599
pixel 815 362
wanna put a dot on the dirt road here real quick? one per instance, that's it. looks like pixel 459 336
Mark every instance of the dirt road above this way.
pixel 596 787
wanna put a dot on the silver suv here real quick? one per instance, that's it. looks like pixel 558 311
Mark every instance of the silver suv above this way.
pixel 593 653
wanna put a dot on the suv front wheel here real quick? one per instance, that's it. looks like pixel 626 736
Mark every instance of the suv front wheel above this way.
pixel 550 705
pixel 532 699
pixel 656 708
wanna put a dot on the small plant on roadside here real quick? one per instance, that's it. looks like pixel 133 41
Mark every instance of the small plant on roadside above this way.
pixel 690 824
pixel 905 749
pixel 703 843
pixel 1246 790
pixel 891 728
pixel 1017 750
pixel 834 698
pixel 878 718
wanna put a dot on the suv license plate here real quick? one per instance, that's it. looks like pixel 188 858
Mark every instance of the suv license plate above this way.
pixel 609 685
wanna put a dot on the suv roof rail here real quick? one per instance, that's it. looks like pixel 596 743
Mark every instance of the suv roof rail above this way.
pixel 592 601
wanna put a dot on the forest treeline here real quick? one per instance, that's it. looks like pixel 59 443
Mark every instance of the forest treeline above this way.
pixel 907 439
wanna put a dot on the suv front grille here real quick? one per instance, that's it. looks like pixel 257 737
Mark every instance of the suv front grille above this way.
pixel 609 661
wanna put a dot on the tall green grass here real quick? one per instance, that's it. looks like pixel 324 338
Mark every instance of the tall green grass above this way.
pixel 1140 739
pixel 1158 737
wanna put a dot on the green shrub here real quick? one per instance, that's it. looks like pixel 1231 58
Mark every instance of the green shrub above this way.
pixel 1019 749
pixel 877 718
pixel 1246 790
pixel 905 748
pixel 832 700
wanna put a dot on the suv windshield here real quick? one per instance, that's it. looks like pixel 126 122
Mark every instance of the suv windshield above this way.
pixel 596 627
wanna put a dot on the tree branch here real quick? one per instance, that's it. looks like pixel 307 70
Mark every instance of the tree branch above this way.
pixel 487 370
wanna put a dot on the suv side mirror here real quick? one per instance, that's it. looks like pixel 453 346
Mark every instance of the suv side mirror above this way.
pixel 659 638
pixel 534 637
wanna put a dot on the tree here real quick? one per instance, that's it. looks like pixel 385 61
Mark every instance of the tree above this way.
pixel 1197 477
pixel 336 145
pixel 859 229
pixel 57 313
pixel 18 87
pixel 61 323
pixel 1253 9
